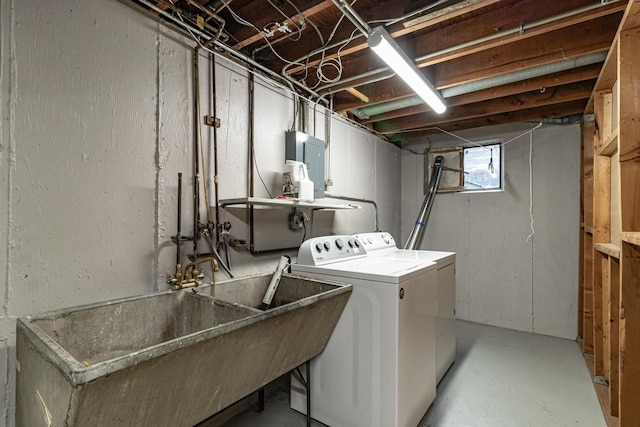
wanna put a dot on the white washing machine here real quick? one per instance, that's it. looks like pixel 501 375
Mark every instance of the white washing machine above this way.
pixel 378 369
pixel 383 244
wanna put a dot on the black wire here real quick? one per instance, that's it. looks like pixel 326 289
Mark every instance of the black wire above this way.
pixel 304 225
pixel 426 150
pixel 255 162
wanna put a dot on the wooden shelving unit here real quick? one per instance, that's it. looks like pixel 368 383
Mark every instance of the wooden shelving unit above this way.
pixel 609 302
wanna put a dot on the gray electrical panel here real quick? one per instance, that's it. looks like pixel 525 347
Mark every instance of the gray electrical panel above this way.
pixel 305 148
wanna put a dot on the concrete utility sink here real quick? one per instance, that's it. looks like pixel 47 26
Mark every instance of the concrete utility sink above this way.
pixel 171 358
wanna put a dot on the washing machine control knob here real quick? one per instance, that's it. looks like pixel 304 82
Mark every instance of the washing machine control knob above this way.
pixel 356 243
pixel 350 241
pixel 319 247
pixel 327 245
pixel 339 243
pixel 386 238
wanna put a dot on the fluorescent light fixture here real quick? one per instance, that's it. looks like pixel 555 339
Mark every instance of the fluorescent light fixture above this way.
pixel 387 49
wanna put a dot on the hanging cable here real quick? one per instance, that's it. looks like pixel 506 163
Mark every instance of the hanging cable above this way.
pixel 255 162
pixel 246 23
pixel 530 236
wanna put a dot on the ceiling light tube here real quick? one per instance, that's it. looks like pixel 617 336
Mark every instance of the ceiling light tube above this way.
pixel 387 49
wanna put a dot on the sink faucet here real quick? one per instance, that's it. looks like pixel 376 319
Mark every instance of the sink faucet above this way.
pixel 192 277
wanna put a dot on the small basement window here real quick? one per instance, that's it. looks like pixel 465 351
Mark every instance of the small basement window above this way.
pixel 476 168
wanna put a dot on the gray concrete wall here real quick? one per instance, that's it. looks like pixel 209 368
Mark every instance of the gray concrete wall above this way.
pixel 503 279
pixel 97 121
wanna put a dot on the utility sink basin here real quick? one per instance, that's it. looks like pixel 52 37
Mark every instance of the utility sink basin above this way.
pixel 249 291
pixel 170 358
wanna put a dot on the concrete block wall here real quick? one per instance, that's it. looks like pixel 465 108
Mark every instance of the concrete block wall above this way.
pixel 503 279
pixel 97 121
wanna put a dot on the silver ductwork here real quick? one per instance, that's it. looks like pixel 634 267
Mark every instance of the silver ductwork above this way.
pixel 423 216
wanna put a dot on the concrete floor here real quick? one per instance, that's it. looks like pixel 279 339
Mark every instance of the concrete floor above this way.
pixel 500 378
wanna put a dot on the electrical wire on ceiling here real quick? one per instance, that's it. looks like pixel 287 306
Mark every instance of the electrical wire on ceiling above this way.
pixel 539 125
pixel 336 63
pixel 417 153
pixel 287 18
pixel 246 23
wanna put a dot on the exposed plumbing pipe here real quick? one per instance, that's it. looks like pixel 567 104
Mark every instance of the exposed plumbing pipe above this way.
pixel 352 16
pixel 218 31
pixel 237 55
pixel 196 148
pixel 251 100
pixel 327 140
pixel 178 236
pixel 214 114
pixel 356 199
pixel 215 253
pixel 357 77
pixel 211 15
pixel 524 27
pixel 516 76
pixel 423 216
pixel 342 42
pixel 518 30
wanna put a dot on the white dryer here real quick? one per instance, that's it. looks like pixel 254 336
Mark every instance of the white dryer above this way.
pixel 383 244
pixel 378 369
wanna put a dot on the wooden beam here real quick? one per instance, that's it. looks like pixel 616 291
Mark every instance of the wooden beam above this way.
pixel 614 340
pixel 598 314
pixel 389 90
pixel 531 100
pixel 587 314
pixel 355 92
pixel 577 41
pixel 515 36
pixel 589 72
pixel 293 21
pixel 556 111
pixel 449 10
pixel 478 27
pixel 629 134
pixel 629 336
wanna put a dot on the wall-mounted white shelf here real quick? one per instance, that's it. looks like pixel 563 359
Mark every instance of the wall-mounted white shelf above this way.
pixel 285 203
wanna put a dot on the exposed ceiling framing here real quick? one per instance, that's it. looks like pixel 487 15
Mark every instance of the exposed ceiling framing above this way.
pixel 494 61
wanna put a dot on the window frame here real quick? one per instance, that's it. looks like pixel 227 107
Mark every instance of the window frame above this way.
pixel 450 155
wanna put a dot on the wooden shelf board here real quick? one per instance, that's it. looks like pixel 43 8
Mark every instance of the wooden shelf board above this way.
pixel 588 229
pixel 631 237
pixel 610 144
pixel 285 203
pixel 609 71
pixel 608 249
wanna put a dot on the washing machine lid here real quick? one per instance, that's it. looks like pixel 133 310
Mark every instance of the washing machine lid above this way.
pixel 377 269
pixel 439 257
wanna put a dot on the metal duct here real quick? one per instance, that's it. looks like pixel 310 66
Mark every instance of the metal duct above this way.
pixel 423 216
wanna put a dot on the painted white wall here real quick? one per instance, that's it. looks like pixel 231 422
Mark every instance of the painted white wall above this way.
pixel 503 279
pixel 97 121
